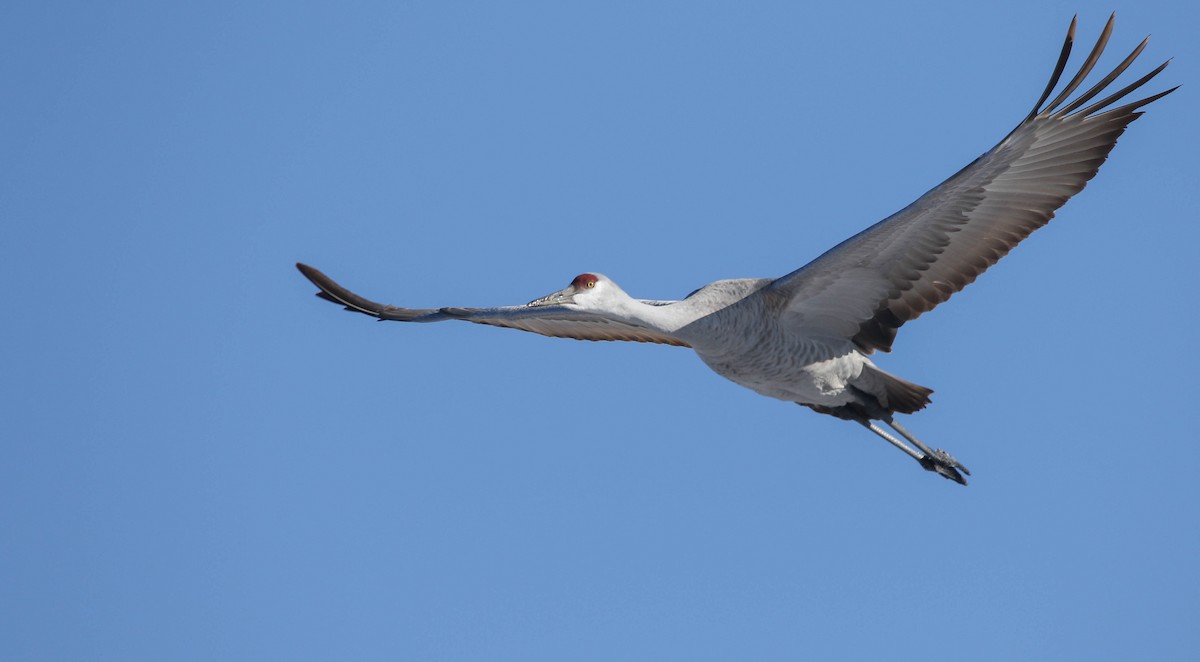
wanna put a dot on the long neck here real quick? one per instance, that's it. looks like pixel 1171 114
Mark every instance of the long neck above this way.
pixel 667 318
pixel 684 318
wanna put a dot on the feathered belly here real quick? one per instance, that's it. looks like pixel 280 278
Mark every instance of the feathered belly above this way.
pixel 791 369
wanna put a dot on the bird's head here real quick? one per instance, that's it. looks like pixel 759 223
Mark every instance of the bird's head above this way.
pixel 588 291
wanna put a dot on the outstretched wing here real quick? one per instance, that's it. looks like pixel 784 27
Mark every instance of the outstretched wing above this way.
pixel 555 321
pixel 869 285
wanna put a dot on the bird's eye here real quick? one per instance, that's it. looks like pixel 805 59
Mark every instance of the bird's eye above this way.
pixel 585 281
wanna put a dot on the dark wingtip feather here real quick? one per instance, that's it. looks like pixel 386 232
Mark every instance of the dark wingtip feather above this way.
pixel 1120 94
pixel 1063 56
pixel 1088 64
pixel 332 292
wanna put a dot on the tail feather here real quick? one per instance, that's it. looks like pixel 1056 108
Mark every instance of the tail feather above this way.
pixel 902 396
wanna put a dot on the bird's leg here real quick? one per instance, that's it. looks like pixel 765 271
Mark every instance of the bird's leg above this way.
pixel 870 425
pixel 938 461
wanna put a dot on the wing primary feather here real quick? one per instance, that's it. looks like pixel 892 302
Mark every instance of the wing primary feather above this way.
pixel 1088 65
pixel 1063 56
pixel 331 291
pixel 1117 96
pixel 1130 107
pixel 1100 86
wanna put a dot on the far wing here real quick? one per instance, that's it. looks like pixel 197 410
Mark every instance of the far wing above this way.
pixel 554 321
pixel 869 285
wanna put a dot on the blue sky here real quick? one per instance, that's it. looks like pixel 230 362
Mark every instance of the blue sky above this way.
pixel 201 460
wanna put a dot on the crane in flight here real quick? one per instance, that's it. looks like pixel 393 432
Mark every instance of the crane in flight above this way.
pixel 806 337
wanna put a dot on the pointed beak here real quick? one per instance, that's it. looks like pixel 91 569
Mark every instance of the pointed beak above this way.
pixel 557 299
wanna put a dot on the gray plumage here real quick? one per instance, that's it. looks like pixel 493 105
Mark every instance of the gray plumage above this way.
pixel 806 337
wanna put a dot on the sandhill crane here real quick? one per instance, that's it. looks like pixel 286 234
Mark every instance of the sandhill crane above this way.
pixel 806 337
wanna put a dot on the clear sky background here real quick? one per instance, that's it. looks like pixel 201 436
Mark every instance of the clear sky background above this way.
pixel 201 460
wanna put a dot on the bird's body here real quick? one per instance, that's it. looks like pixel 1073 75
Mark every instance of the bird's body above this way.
pixel 806 337
pixel 739 331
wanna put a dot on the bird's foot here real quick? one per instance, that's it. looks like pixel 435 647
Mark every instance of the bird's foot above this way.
pixel 944 464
